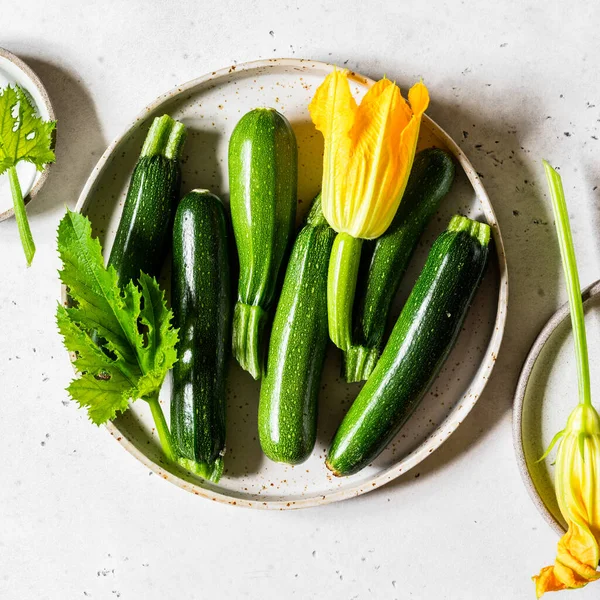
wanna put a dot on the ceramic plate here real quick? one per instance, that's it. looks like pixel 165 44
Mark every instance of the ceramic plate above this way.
pixel 210 107
pixel 546 395
pixel 14 70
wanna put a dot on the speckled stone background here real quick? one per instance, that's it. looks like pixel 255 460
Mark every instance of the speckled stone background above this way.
pixel 514 81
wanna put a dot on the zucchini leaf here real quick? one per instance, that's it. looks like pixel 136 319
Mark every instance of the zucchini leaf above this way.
pixel 135 323
pixel 23 135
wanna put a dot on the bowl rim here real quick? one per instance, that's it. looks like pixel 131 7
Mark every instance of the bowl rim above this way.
pixel 7 214
pixel 473 390
pixel 559 317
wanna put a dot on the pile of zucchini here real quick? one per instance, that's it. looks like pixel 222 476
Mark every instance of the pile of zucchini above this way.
pixel 278 328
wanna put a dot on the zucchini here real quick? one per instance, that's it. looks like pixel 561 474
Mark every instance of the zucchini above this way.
pixel 430 180
pixel 418 346
pixel 263 173
pixel 142 236
pixel 287 410
pixel 201 302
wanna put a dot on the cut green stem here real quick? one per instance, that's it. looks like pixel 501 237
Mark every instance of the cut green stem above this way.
pixel 247 337
pixel 161 427
pixel 359 362
pixel 567 253
pixel 209 471
pixel 341 286
pixel 165 138
pixel 21 215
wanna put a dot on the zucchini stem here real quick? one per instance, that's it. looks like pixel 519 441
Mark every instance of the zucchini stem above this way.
pixel 359 362
pixel 21 215
pixel 209 471
pixel 161 427
pixel 248 325
pixel 165 138
pixel 480 231
pixel 341 286
pixel 567 252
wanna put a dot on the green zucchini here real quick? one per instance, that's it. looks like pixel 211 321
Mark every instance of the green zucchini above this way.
pixel 287 410
pixel 201 302
pixel 142 236
pixel 430 180
pixel 263 173
pixel 418 346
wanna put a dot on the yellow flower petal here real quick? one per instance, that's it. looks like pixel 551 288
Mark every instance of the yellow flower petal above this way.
pixel 578 493
pixel 369 151
pixel 333 111
pixel 374 179
pixel 418 96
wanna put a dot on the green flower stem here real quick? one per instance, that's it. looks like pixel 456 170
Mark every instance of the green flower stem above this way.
pixel 341 286
pixel 161 427
pixel 21 215
pixel 567 252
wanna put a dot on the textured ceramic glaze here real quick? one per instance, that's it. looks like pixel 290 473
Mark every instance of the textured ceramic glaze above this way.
pixel 546 395
pixel 210 107
pixel 13 70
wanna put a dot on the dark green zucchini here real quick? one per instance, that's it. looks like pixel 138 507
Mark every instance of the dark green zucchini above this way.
pixel 142 236
pixel 201 302
pixel 430 180
pixel 263 172
pixel 418 346
pixel 287 411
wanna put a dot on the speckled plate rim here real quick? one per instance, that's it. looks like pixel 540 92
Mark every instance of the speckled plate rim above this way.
pixel 7 214
pixel 561 315
pixel 474 389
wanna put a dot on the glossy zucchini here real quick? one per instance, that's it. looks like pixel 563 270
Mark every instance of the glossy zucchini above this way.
pixel 263 172
pixel 430 180
pixel 287 410
pixel 143 232
pixel 201 302
pixel 418 346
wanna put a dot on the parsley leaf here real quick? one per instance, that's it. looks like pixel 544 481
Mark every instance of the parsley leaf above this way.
pixel 135 323
pixel 24 136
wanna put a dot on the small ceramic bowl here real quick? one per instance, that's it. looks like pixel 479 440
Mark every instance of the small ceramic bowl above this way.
pixel 14 70
pixel 545 396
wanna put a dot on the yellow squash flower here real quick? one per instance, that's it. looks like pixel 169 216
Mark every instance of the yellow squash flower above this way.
pixel 577 480
pixel 369 151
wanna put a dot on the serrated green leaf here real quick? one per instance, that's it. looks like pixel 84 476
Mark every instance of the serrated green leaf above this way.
pixel 101 307
pixel 136 326
pixel 23 135
pixel 161 337
pixel 103 398
pixel 89 356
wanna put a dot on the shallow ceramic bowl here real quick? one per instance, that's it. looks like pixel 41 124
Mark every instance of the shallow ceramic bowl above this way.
pixel 546 394
pixel 210 107
pixel 14 70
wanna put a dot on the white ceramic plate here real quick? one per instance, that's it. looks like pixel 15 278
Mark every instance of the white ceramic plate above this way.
pixel 546 394
pixel 210 107
pixel 14 70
